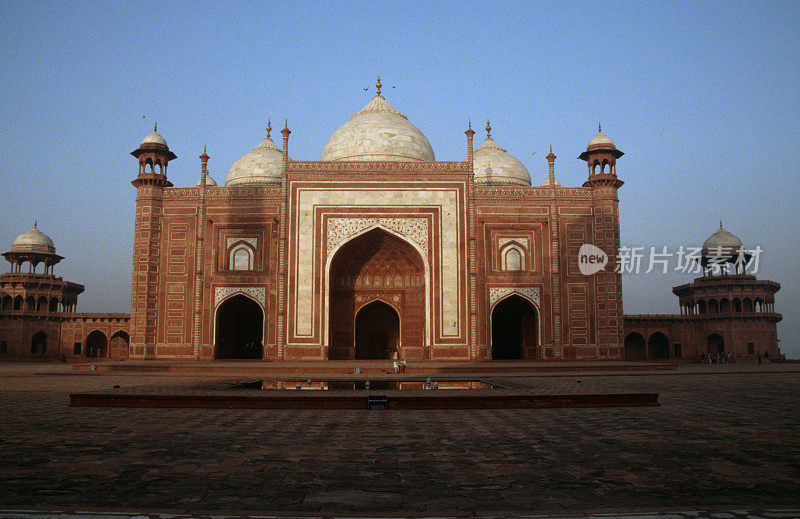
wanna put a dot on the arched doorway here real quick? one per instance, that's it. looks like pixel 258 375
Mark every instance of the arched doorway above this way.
pixel 376 265
pixel 39 343
pixel 716 344
pixel 118 346
pixel 240 328
pixel 514 334
pixel 658 346
pixel 96 344
pixel 635 347
pixel 377 331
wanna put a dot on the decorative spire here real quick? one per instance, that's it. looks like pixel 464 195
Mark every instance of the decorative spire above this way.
pixel 599 128
pixel 470 133
pixel 36 223
pixel 488 129
pixel 155 127
pixel 551 148
pixel 720 223
pixel 269 128
pixel 378 85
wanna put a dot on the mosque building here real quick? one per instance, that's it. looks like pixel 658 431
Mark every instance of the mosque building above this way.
pixel 376 251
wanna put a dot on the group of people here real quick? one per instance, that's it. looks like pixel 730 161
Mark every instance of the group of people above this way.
pixel 400 366
pixel 718 358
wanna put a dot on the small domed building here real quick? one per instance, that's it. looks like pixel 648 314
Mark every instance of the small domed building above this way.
pixel 38 310
pixel 724 311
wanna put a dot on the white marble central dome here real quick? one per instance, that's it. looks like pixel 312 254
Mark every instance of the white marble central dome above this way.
pixel 378 133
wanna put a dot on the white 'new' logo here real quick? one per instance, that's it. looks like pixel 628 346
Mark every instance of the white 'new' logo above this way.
pixel 591 259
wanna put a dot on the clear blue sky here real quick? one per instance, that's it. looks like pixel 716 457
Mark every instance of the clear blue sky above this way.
pixel 703 98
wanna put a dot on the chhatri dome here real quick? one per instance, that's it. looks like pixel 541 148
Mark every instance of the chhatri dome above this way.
pixel 600 141
pixel 378 133
pixel 722 240
pixel 493 165
pixel 264 163
pixel 153 138
pixel 34 241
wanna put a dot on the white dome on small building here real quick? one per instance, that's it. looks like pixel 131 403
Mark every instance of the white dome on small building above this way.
pixel 209 181
pixel 494 165
pixel 722 240
pixel 264 163
pixel 378 133
pixel 546 182
pixel 34 241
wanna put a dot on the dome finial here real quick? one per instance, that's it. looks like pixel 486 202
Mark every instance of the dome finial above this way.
pixel 720 223
pixel 488 129
pixel 269 127
pixel 599 128
pixel 35 223
pixel 155 127
pixel 469 123
pixel 378 85
pixel 551 148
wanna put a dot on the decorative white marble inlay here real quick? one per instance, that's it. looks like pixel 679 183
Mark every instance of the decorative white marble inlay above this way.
pixel 257 293
pixel 251 241
pixel 498 293
pixel 522 241
pixel 413 229
pixel 448 264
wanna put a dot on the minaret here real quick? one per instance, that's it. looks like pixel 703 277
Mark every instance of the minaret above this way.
pixel 555 256
pixel 200 257
pixel 283 278
pixel 154 155
pixel 473 254
pixel 601 156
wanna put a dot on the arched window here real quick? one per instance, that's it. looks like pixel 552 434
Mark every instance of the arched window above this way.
pixel 512 258
pixel 241 258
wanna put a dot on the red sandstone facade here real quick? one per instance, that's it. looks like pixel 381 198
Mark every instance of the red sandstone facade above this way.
pixel 378 259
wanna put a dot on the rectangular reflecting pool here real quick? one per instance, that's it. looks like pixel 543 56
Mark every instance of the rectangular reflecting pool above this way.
pixel 359 385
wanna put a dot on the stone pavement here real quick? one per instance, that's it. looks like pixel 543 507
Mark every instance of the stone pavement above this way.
pixel 719 442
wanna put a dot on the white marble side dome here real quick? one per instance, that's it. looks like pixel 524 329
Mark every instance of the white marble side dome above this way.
pixel 209 181
pixel 494 165
pixel 264 163
pixel 378 133
pixel 34 241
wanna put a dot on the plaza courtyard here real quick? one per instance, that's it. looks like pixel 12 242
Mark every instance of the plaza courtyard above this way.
pixel 725 437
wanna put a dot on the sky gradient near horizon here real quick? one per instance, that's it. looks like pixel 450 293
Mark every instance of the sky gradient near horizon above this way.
pixel 702 97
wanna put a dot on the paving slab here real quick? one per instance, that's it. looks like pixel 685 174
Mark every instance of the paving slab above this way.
pixel 719 443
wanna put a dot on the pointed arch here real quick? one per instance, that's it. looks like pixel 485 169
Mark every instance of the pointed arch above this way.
pixel 239 328
pixel 515 331
pixel 96 344
pixel 118 344
pixel 39 343
pixel 635 346
pixel 422 279
pixel 513 256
